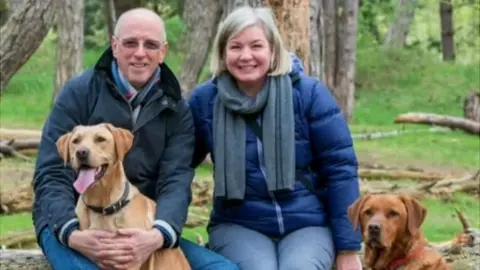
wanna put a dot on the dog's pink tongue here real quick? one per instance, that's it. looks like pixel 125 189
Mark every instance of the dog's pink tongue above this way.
pixel 84 180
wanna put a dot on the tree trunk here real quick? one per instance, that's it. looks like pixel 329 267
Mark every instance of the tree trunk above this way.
pixel 330 43
pixel 69 42
pixel 201 18
pixel 346 52
pixel 230 5
pixel 123 5
pixel 398 31
pixel 316 65
pixel 22 34
pixel 110 17
pixel 293 21
pixel 471 107
pixel 446 26
pixel 7 8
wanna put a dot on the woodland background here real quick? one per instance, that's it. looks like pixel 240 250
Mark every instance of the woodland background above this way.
pixel 406 73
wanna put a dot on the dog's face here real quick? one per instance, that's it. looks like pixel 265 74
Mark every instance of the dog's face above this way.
pixel 384 218
pixel 92 150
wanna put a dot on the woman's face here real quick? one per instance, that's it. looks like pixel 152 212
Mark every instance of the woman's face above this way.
pixel 248 56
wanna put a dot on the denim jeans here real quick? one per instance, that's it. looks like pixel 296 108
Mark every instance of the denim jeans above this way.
pixel 309 248
pixel 65 258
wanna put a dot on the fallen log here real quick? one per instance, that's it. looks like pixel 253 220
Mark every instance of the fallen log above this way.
pixel 452 122
pixel 19 134
pixel 17 200
pixel 393 174
pixel 443 188
pixel 14 148
pixel 393 133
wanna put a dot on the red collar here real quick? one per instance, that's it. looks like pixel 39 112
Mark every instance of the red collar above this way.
pixel 413 254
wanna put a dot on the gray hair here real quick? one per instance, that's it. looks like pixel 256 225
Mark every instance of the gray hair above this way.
pixel 236 22
pixel 139 12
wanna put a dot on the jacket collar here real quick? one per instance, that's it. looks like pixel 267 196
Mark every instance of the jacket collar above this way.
pixel 168 80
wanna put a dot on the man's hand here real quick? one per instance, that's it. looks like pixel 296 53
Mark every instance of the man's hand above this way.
pixel 348 261
pixel 142 242
pixel 94 245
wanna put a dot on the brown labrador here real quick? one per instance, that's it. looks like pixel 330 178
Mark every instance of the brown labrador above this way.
pixel 391 229
pixel 96 154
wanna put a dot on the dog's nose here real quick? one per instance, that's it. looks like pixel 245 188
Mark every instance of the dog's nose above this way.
pixel 82 154
pixel 374 229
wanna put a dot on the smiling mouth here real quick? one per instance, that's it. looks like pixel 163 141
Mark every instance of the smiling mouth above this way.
pixel 138 65
pixel 99 172
pixel 88 176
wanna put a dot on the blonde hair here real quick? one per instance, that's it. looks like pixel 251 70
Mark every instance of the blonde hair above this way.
pixel 240 19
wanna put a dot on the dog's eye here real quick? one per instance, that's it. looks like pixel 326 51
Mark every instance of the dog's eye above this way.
pixel 76 140
pixel 368 212
pixel 392 213
pixel 100 139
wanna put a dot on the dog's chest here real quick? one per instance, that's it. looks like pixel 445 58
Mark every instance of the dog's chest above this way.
pixel 107 222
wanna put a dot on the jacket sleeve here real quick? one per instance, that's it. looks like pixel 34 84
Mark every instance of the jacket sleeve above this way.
pixel 52 181
pixel 337 165
pixel 173 188
pixel 201 150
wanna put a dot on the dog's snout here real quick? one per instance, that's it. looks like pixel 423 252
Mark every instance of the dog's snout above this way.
pixel 374 229
pixel 82 154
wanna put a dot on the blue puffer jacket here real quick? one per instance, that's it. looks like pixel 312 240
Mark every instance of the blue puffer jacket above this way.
pixel 324 153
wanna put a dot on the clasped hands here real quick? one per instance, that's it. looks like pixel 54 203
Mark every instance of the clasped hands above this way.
pixel 120 250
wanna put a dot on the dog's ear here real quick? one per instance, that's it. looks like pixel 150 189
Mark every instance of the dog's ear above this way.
pixel 63 143
pixel 123 140
pixel 354 210
pixel 416 213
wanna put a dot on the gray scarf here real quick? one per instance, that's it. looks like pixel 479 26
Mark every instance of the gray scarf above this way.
pixel 229 135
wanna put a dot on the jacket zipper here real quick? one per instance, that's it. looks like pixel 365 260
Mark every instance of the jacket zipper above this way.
pixel 278 209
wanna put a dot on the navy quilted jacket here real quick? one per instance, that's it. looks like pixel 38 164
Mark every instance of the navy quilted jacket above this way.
pixel 324 153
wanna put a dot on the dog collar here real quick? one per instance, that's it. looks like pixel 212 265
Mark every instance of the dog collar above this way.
pixel 405 259
pixel 113 208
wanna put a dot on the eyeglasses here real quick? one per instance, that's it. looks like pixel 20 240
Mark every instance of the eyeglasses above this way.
pixel 133 43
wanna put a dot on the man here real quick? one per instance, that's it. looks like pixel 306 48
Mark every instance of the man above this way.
pixel 129 87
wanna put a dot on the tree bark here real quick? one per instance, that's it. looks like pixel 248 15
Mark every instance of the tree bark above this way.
pixel 69 42
pixel 346 52
pixel 446 26
pixel 471 107
pixel 398 30
pixel 7 8
pixel 330 43
pixel 293 21
pixel 230 5
pixel 201 18
pixel 452 122
pixel 316 64
pixel 22 34
pixel 110 17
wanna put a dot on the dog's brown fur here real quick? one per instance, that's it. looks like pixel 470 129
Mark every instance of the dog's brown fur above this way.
pixel 108 145
pixel 399 219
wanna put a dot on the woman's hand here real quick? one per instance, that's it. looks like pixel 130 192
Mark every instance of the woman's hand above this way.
pixel 143 243
pixel 348 261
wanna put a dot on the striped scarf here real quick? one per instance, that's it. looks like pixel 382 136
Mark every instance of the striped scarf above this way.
pixel 133 96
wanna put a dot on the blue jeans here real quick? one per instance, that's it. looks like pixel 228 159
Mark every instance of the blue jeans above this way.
pixel 309 248
pixel 65 258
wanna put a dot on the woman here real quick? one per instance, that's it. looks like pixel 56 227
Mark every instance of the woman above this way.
pixel 273 133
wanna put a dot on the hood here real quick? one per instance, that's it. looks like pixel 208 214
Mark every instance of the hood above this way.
pixel 297 66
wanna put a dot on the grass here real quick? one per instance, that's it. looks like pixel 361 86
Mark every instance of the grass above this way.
pixel 388 83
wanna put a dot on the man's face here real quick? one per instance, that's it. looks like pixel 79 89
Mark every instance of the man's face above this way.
pixel 139 48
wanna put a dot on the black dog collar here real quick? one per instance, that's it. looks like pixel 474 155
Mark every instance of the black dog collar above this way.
pixel 113 208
